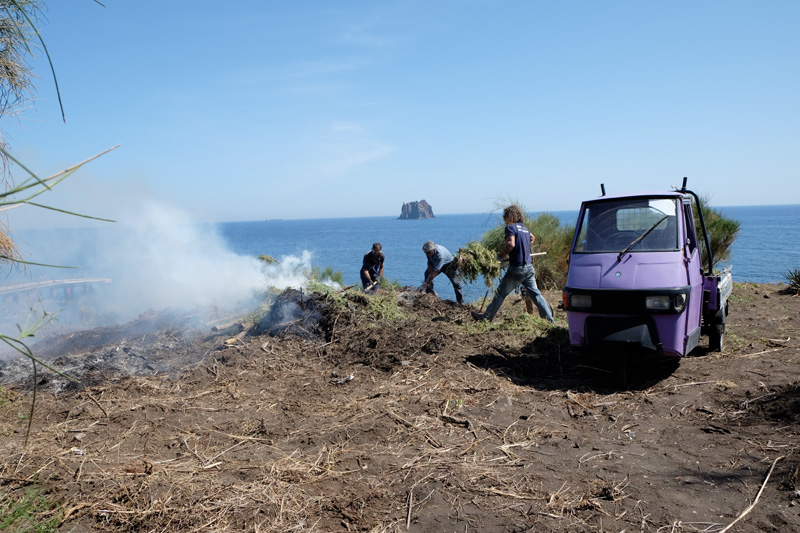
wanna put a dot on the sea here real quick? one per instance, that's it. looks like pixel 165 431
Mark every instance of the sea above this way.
pixel 767 248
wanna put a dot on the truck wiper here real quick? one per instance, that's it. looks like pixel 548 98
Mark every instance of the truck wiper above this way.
pixel 640 237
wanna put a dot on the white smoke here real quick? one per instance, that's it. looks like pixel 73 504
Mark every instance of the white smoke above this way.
pixel 157 258
pixel 160 258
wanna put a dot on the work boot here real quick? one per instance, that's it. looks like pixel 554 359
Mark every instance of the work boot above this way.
pixel 477 316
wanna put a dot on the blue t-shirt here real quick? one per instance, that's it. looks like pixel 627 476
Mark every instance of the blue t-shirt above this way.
pixel 441 257
pixel 521 254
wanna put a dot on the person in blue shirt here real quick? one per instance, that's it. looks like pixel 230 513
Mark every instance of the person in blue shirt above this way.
pixel 372 267
pixel 520 267
pixel 440 260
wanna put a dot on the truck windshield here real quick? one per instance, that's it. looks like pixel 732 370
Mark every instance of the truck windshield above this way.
pixel 615 225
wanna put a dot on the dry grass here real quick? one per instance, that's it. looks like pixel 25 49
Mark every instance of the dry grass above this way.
pixel 485 433
pixel 9 251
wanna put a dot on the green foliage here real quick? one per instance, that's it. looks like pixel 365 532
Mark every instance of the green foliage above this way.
pixel 32 513
pixel 268 259
pixel 555 239
pixel 722 232
pixel 381 306
pixel 551 237
pixel 515 321
pixel 393 285
pixel 476 260
pixel 325 275
pixel 793 278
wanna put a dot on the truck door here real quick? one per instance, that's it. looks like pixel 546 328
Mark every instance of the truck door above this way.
pixel 694 271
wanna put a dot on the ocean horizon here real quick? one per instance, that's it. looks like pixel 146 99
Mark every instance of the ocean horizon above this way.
pixel 764 252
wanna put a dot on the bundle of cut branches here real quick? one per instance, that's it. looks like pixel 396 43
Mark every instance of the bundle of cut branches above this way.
pixel 475 260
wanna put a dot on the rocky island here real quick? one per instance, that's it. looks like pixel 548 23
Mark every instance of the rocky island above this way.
pixel 416 210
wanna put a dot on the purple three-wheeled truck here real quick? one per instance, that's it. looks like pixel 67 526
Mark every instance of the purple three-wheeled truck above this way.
pixel 636 277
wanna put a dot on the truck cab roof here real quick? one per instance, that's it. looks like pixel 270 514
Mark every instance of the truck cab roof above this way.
pixel 644 194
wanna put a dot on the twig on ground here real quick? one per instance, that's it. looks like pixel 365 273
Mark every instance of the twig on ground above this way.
pixel 752 505
pixel 762 352
pixel 97 403
pixel 410 504
pixel 694 383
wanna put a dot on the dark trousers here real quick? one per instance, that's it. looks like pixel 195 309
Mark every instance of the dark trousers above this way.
pixel 454 276
pixel 365 282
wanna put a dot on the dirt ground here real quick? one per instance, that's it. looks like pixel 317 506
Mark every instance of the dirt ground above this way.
pixel 347 418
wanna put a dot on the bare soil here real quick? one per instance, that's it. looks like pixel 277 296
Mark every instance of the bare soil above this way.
pixel 330 421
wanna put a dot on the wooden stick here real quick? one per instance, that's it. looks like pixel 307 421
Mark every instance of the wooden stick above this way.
pixel 752 505
pixel 484 300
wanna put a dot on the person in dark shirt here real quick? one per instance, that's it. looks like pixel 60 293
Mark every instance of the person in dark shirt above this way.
pixel 520 268
pixel 372 268
pixel 441 260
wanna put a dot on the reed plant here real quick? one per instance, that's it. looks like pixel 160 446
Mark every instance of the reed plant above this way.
pixel 793 278
pixel 18 35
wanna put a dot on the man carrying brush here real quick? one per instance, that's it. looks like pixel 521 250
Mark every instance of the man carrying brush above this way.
pixel 520 268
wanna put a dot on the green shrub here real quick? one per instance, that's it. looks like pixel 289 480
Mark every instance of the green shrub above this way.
pixel 721 232
pixel 326 274
pixel 551 237
pixel 268 259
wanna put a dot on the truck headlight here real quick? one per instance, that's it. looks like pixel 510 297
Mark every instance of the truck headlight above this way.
pixel 680 301
pixel 657 303
pixel 581 301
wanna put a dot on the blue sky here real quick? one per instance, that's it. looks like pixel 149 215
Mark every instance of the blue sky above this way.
pixel 251 110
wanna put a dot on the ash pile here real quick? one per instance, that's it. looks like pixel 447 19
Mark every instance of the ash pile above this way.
pixel 156 344
pixel 296 314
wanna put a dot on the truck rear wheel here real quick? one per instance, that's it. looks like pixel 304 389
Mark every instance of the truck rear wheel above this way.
pixel 716 335
pixel 716 330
